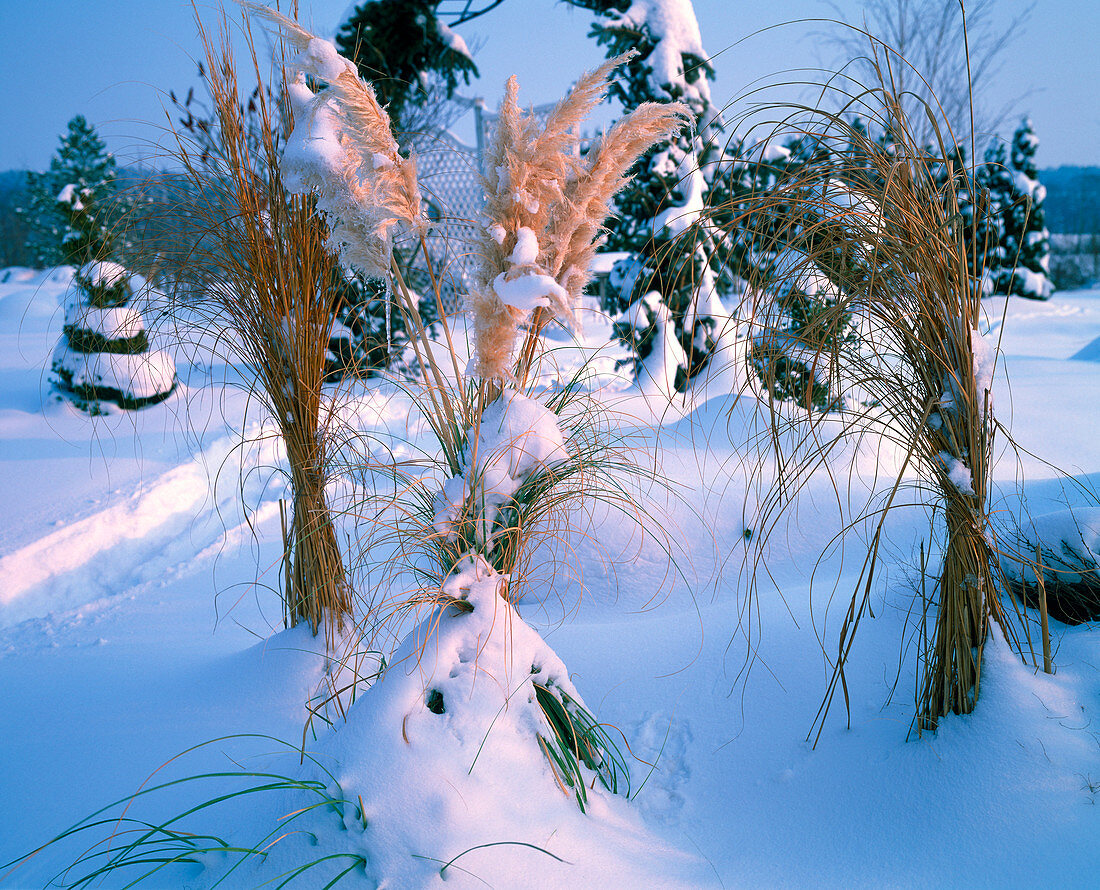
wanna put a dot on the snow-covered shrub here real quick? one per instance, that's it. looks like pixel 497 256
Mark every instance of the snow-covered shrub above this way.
pixel 1056 557
pixel 104 353
pixel 765 202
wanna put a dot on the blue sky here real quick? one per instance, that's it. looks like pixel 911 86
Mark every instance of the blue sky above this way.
pixel 114 60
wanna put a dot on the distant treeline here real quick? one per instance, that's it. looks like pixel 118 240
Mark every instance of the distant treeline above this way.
pixel 1073 200
pixel 1072 205
pixel 13 228
pixel 156 221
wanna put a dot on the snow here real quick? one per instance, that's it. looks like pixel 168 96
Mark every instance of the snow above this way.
pixel 458 779
pixel 674 27
pixel 140 376
pixel 529 290
pixel 754 150
pixel 137 619
pixel 674 221
pixel 657 375
pixel 985 363
pixel 526 251
pixel 454 40
pixel 114 323
pixel 107 274
pixel 322 58
pixel 68 195
pixel 313 149
pixel 1033 284
pixel 957 472
pixel 1070 539
pixel 1025 185
pixel 515 439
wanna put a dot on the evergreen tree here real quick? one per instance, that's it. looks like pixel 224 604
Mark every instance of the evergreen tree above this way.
pixel 1027 241
pixel 970 201
pixel 659 215
pixel 995 182
pixel 765 240
pixel 399 46
pixel 74 206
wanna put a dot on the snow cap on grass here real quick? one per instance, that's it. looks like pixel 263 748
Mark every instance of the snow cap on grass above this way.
pixel 957 472
pixel 985 362
pixel 342 150
pixel 516 438
pixel 444 751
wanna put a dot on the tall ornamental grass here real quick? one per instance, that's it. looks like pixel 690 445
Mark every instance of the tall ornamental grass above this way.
pixel 269 272
pixel 891 229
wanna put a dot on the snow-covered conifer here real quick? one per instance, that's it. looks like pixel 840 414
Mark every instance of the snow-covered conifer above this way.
pixel 763 240
pixel 660 214
pixel 400 46
pixel 1027 241
pixel 104 352
pixel 995 184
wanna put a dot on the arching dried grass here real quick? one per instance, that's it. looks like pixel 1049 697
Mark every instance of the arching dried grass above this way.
pixel 888 236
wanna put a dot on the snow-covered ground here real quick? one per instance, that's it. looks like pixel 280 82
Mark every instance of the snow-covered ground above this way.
pixel 138 619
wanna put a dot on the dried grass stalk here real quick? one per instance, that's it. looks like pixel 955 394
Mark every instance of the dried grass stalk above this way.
pixel 271 282
pixel 887 232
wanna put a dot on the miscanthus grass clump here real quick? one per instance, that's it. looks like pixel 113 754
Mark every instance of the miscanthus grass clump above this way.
pixel 268 272
pixel 884 228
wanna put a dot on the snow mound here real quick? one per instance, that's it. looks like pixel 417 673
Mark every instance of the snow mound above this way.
pixel 516 438
pixel 444 754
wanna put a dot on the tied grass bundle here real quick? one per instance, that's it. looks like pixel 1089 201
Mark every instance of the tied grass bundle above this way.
pixel 269 277
pixel 887 232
